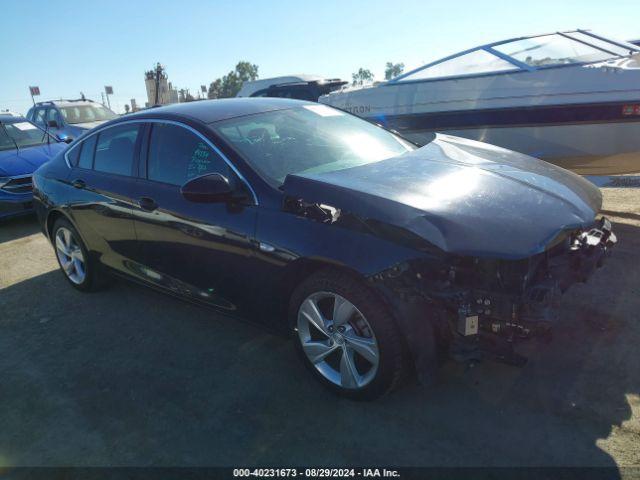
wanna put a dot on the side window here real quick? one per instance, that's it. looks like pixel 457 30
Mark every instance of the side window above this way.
pixel 177 155
pixel 73 154
pixel 52 114
pixel 261 93
pixel 39 116
pixel 115 149
pixel 85 160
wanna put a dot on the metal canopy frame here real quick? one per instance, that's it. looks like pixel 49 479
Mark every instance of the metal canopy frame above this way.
pixel 518 66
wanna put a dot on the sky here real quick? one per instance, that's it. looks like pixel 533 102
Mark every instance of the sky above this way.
pixel 66 46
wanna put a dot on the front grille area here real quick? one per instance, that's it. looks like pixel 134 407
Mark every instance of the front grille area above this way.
pixel 18 185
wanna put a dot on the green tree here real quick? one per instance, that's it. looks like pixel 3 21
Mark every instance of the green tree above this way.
pixel 230 84
pixel 392 70
pixel 185 96
pixel 362 76
pixel 215 89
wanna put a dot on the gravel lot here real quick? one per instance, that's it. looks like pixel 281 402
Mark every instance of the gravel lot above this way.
pixel 129 376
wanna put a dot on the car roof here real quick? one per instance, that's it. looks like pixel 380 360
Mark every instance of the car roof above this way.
pixel 65 103
pixel 210 111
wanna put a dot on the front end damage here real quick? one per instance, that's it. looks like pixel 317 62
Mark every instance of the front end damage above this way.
pixel 481 242
pixel 479 307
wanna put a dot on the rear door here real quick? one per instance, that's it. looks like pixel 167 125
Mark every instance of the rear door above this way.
pixel 103 177
pixel 200 250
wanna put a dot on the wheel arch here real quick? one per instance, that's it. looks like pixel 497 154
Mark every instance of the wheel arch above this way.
pixel 301 269
pixel 51 219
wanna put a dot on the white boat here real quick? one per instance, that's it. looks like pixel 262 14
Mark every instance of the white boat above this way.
pixel 571 98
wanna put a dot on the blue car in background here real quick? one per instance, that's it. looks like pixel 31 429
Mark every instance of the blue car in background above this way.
pixel 68 119
pixel 23 148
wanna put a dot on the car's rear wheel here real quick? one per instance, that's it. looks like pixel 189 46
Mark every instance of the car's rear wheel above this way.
pixel 346 336
pixel 74 260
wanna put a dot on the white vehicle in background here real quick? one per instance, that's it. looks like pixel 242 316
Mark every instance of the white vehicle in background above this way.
pixel 298 87
pixel 571 98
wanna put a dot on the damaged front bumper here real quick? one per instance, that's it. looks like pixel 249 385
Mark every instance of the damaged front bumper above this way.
pixel 481 306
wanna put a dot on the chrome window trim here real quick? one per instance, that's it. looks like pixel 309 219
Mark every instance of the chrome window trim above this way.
pixel 170 122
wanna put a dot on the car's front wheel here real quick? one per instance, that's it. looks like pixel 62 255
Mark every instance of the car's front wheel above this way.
pixel 346 336
pixel 74 260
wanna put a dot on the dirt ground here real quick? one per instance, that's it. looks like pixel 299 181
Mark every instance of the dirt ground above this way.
pixel 129 376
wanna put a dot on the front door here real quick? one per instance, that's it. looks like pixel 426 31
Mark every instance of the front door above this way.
pixel 201 250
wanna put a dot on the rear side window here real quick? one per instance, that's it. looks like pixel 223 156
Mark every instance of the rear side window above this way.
pixel 177 155
pixel 115 149
pixel 85 159
pixel 73 154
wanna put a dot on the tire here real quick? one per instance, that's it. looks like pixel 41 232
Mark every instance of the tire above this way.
pixel 76 265
pixel 362 334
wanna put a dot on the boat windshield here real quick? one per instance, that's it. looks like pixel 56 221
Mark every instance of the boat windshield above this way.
pixel 472 63
pixel 560 50
pixel 524 54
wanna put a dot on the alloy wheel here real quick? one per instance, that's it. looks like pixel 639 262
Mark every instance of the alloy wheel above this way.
pixel 337 339
pixel 70 256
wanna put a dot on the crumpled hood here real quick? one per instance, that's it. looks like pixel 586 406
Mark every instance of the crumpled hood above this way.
pixel 463 196
pixel 28 159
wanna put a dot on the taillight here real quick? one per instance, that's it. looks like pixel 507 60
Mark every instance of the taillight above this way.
pixel 631 110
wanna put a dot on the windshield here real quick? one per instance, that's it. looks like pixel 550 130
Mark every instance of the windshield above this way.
pixel 86 113
pixel 22 133
pixel 308 139
pixel 556 50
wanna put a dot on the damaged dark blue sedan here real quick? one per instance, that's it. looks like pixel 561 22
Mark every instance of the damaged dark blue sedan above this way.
pixel 378 257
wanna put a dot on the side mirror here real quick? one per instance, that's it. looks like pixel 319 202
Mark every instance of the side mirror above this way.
pixel 52 124
pixel 210 188
pixel 65 138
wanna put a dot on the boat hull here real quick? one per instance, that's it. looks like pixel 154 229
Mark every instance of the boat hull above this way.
pixel 585 118
pixel 587 149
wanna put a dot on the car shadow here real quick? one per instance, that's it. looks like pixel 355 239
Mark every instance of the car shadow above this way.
pixel 628 215
pixel 18 227
pixel 129 376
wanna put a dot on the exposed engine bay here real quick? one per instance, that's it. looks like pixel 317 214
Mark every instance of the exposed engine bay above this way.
pixel 485 298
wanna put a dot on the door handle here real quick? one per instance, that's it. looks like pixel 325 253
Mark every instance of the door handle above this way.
pixel 78 183
pixel 147 204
